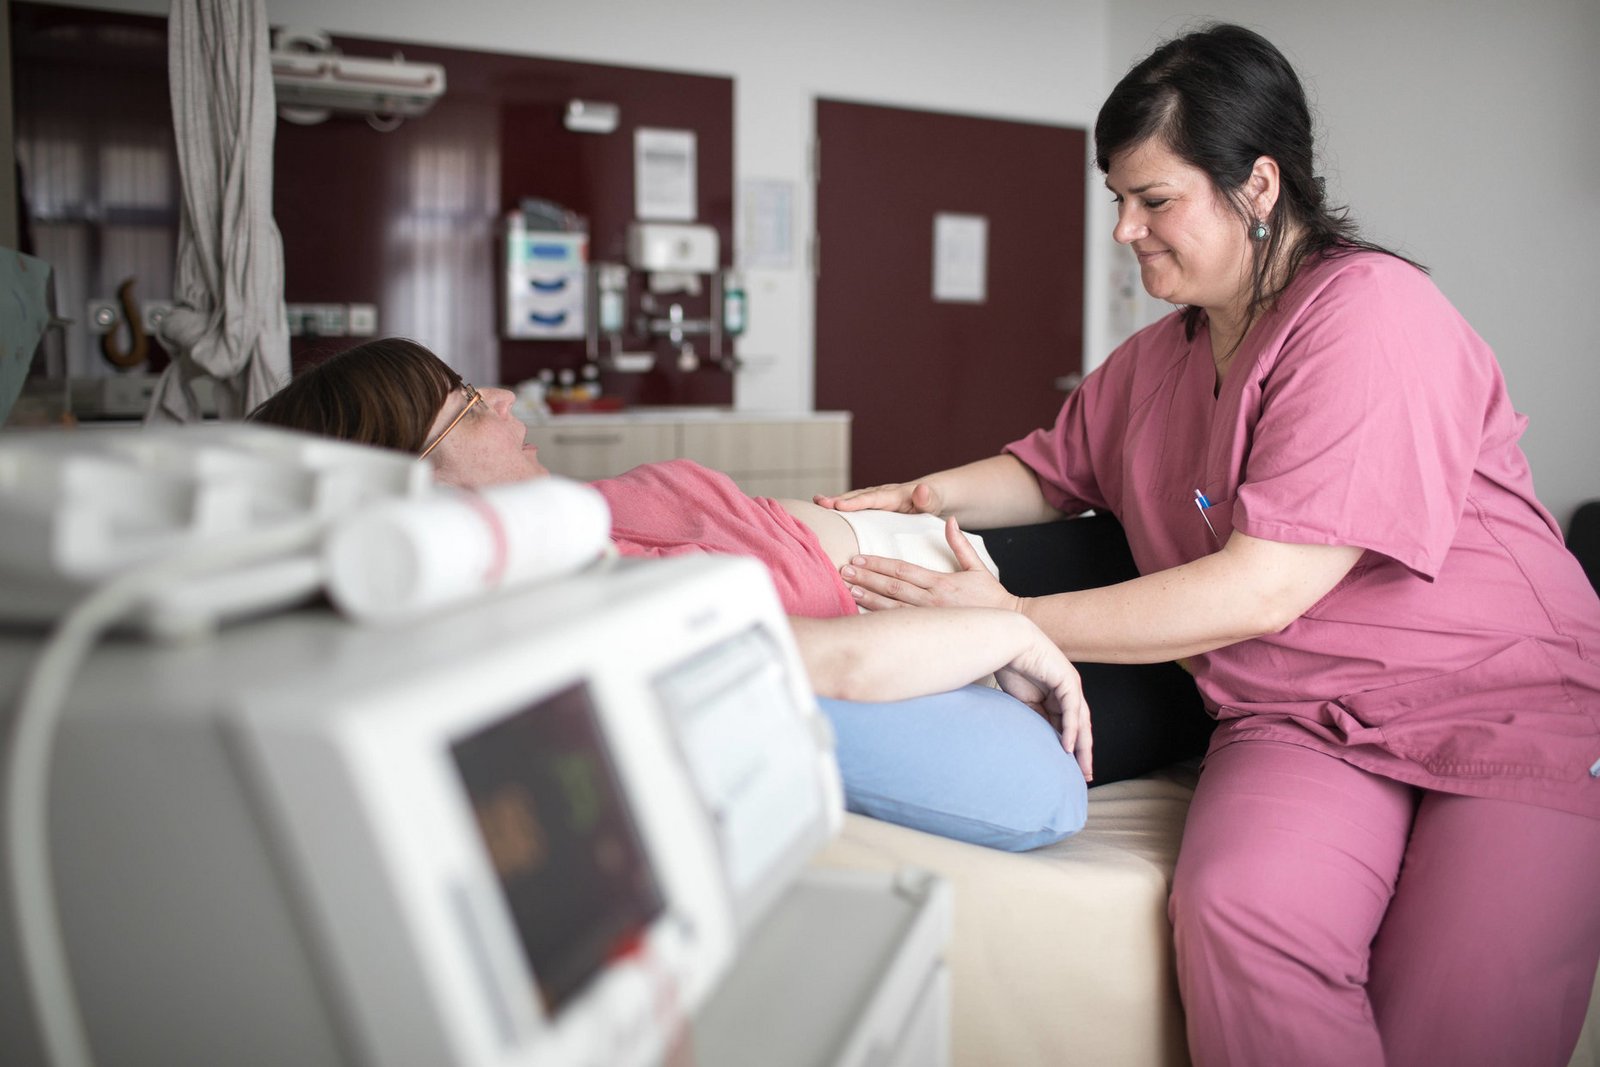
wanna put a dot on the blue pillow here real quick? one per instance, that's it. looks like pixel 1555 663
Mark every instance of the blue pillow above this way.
pixel 973 764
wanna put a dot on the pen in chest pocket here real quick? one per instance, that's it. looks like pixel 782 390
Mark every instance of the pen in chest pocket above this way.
pixel 1202 503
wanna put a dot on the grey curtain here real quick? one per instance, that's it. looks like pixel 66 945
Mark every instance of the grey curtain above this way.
pixel 227 322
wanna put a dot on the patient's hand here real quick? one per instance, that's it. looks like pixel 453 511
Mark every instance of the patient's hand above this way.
pixel 910 498
pixel 879 583
pixel 1041 675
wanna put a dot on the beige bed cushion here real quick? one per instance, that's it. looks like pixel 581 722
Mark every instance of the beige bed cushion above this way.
pixel 1063 955
pixel 1587 1054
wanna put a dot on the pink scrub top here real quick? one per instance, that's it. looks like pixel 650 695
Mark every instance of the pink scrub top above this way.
pixel 679 507
pixel 1462 652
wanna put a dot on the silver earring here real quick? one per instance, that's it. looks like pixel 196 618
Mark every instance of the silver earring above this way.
pixel 1259 231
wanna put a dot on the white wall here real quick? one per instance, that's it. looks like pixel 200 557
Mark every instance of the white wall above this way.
pixel 1462 132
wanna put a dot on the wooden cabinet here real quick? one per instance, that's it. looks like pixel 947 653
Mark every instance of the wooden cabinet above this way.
pixel 600 450
pixel 766 455
pixel 781 458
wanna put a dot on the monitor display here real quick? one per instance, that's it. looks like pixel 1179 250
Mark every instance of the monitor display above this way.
pixel 564 843
pixel 749 753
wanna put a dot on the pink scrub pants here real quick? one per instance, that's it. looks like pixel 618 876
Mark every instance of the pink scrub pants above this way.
pixel 1325 915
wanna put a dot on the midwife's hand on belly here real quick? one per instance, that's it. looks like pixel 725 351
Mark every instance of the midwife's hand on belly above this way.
pixel 910 498
pixel 879 583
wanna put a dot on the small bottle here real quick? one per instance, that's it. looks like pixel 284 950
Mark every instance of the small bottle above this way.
pixel 612 283
pixel 531 406
pixel 733 304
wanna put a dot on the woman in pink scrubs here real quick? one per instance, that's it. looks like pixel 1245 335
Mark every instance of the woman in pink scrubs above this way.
pixel 1393 854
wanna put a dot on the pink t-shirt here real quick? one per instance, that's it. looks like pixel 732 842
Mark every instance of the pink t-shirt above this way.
pixel 677 507
pixel 1462 652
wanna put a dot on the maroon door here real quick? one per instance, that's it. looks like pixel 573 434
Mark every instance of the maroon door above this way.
pixel 935 383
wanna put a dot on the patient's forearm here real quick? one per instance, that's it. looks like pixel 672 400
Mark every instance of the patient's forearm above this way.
pixel 898 654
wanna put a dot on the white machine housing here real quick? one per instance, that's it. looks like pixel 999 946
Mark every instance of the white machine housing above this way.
pixel 268 847
pixel 81 508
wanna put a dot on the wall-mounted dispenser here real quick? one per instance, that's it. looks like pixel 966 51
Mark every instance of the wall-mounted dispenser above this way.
pixel 546 281
pixel 611 298
pixel 673 248
pixel 608 321
pixel 686 259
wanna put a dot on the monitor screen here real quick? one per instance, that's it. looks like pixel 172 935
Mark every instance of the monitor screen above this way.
pixel 562 839
pixel 749 753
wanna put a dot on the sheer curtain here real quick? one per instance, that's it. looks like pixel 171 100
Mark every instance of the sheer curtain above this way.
pixel 440 246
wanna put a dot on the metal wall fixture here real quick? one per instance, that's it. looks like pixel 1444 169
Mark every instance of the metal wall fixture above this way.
pixel 591 116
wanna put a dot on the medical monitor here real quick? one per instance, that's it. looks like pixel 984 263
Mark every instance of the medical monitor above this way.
pixel 562 839
pixel 532 829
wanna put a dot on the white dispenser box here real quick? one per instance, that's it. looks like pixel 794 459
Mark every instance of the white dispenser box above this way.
pixel 671 247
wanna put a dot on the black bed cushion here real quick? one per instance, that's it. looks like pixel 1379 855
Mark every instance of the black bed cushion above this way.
pixel 1145 716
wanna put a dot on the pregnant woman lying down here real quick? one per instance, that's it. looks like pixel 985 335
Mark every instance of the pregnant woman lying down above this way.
pixel 917 744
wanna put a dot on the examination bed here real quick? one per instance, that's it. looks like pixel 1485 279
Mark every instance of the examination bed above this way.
pixel 1063 955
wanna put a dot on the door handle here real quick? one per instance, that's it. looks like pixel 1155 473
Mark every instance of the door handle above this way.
pixel 1068 382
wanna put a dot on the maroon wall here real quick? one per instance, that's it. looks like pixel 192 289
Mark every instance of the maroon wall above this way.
pixel 343 188
pixel 410 215
pixel 935 384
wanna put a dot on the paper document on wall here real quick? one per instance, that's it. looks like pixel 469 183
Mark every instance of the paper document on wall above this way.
pixel 960 258
pixel 767 235
pixel 664 164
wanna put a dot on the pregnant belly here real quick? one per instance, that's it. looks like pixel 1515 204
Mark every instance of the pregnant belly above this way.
pixel 838 539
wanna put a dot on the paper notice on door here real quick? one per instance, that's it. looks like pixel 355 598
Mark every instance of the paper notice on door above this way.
pixel 664 174
pixel 960 258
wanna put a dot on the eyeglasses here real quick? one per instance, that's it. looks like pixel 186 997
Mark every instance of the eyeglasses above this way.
pixel 474 398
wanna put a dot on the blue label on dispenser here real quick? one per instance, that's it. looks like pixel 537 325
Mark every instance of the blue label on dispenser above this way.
pixel 549 250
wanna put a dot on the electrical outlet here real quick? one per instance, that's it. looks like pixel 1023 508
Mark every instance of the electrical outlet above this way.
pixel 331 320
pixel 335 322
pixel 314 320
pixel 362 320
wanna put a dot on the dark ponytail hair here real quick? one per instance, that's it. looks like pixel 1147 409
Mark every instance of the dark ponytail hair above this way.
pixel 1220 98
pixel 385 392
